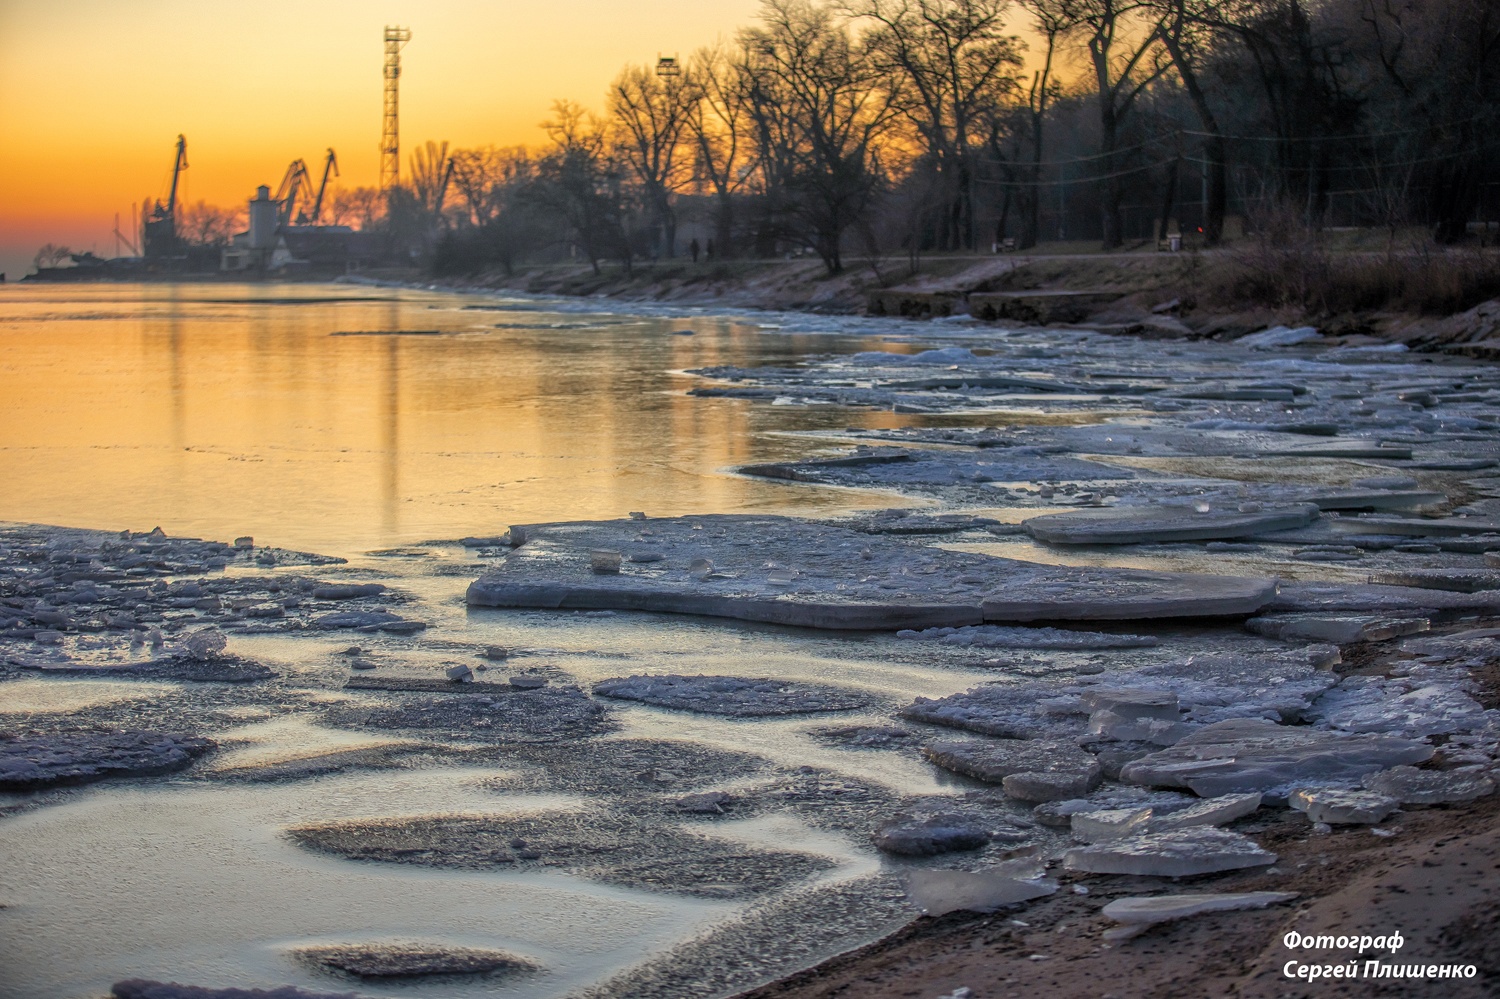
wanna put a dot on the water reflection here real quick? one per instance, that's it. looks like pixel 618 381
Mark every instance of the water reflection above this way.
pixel 222 410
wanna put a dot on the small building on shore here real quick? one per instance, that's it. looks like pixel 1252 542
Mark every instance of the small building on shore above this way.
pixel 268 245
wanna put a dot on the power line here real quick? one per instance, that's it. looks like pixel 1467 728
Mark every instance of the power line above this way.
pixel 1072 180
pixel 1334 138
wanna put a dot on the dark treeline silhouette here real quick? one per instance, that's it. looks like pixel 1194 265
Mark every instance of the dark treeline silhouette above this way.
pixel 911 126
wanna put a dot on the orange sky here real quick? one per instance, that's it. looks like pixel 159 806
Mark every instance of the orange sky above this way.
pixel 93 93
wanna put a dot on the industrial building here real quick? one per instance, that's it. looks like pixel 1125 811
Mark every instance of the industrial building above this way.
pixel 285 236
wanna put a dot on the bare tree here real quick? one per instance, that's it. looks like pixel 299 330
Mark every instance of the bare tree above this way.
pixel 955 61
pixel 1439 63
pixel 1186 29
pixel 50 255
pixel 362 206
pixel 579 182
pixel 821 104
pixel 650 112
pixel 1048 24
pixel 203 224
pixel 429 176
pixel 1125 56
pixel 718 126
pixel 488 178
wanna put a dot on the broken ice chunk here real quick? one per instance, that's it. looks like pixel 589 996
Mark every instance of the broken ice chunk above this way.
pixel 1060 813
pixel 1210 812
pixel 930 833
pixel 1045 771
pixel 1051 785
pixel 1342 629
pixel 605 562
pixel 1411 786
pixel 1130 525
pixel 1110 824
pixel 204 644
pixel 1010 711
pixel 1250 754
pixel 1139 914
pixel 1135 715
pixel 1401 706
pixel 1339 807
pixel 939 892
pixel 1181 853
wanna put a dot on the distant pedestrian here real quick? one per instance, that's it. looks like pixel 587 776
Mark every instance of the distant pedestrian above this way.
pixel 693 249
pixel 710 250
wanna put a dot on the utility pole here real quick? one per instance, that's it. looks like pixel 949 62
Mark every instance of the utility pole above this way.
pixel 390 133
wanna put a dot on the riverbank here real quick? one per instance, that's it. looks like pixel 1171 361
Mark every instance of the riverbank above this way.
pixel 1352 294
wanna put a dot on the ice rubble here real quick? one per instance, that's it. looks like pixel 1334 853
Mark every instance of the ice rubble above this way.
pixel 1418 700
pixel 1208 686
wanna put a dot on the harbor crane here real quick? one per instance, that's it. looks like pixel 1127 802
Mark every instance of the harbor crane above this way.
pixel 295 184
pixel 159 230
pixel 331 163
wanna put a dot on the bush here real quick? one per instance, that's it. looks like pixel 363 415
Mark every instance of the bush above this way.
pixel 1287 266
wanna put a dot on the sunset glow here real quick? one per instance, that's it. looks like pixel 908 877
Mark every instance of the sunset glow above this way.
pixel 93 94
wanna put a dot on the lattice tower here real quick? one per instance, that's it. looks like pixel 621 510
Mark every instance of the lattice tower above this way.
pixel 390 133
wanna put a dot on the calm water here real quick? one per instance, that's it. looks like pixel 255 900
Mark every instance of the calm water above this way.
pixel 222 410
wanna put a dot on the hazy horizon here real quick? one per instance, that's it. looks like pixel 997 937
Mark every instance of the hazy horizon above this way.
pixel 94 95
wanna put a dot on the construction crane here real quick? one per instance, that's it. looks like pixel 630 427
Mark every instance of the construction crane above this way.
pixel 316 218
pixel 294 185
pixel 159 231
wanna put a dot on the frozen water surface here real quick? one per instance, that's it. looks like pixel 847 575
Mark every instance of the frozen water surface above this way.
pixel 197 884
pixel 21 697
pixel 223 411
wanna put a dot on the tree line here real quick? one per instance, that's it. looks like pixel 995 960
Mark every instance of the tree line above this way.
pixel 839 127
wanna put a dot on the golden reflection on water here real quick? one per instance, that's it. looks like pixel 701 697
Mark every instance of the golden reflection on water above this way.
pixel 220 410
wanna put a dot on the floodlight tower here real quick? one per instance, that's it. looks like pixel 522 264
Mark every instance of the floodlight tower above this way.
pixel 390 133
